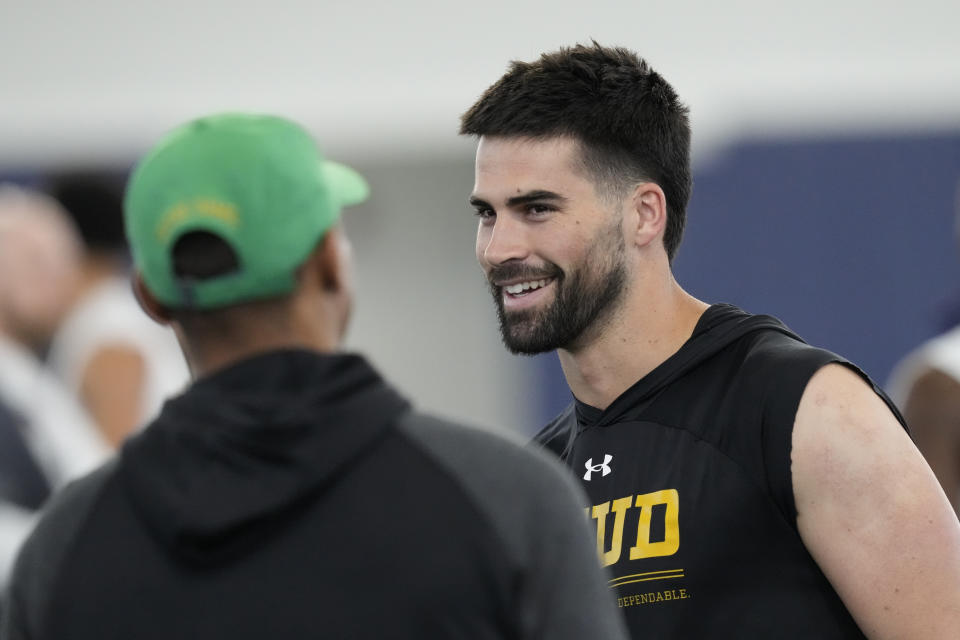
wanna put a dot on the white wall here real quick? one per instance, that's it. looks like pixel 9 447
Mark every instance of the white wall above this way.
pixel 104 77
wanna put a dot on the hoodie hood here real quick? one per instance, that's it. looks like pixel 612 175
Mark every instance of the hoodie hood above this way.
pixel 719 326
pixel 251 443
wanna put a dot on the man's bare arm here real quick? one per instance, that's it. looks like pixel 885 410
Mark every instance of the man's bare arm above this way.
pixel 872 513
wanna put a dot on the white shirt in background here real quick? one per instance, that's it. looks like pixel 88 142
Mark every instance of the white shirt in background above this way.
pixel 110 316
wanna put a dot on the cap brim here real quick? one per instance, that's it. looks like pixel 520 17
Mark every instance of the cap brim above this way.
pixel 346 185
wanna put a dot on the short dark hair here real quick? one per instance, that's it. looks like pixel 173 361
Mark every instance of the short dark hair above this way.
pixel 628 120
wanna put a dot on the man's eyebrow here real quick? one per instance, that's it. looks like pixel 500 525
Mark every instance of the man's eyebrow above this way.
pixel 537 195
pixel 479 203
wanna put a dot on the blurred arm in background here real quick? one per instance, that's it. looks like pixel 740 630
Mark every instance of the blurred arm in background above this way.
pixel 932 410
pixel 926 386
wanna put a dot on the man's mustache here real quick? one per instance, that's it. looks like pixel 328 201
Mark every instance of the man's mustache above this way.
pixel 521 271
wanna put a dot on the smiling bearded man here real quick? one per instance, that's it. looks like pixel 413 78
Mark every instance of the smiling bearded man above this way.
pixel 742 483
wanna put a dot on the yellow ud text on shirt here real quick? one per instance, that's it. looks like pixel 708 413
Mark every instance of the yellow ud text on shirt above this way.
pixel 643 548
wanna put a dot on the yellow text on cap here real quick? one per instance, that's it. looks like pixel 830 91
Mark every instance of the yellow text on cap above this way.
pixel 198 207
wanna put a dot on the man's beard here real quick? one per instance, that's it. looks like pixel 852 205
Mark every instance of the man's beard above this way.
pixel 584 299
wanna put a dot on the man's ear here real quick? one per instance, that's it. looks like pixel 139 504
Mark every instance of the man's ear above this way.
pixel 649 206
pixel 331 263
pixel 150 305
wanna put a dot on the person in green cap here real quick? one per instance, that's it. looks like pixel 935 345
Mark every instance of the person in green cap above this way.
pixel 290 492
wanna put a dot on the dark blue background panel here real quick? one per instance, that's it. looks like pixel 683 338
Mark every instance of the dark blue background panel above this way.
pixel 850 242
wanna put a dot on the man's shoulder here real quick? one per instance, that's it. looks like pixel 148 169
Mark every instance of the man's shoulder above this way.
pixel 772 359
pixel 503 477
pixel 535 507
pixel 785 363
pixel 780 344
pixel 556 435
pixel 758 343
pixel 43 553
pixel 67 509
pixel 478 450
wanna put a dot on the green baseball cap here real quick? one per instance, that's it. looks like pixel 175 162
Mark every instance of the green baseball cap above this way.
pixel 258 182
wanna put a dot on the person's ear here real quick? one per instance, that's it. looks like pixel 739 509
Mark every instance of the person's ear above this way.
pixel 150 305
pixel 332 261
pixel 649 206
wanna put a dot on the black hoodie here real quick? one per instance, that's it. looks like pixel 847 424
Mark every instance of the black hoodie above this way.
pixel 689 474
pixel 295 495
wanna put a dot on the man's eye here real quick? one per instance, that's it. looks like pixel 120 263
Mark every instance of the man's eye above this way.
pixel 484 213
pixel 539 209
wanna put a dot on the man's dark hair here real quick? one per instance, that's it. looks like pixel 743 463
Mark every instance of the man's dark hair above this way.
pixel 628 120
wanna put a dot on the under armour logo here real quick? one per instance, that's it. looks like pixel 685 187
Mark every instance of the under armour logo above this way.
pixel 596 468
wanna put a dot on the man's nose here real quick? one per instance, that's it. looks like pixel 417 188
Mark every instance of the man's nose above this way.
pixel 505 240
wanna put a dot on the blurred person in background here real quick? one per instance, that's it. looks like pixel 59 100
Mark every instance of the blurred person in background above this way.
pixel 743 483
pixel 121 365
pixel 926 385
pixel 290 492
pixel 47 437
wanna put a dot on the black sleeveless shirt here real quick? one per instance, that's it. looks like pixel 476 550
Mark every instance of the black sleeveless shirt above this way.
pixel 688 476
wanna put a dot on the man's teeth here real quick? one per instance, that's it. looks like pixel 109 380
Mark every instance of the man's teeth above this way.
pixel 520 287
